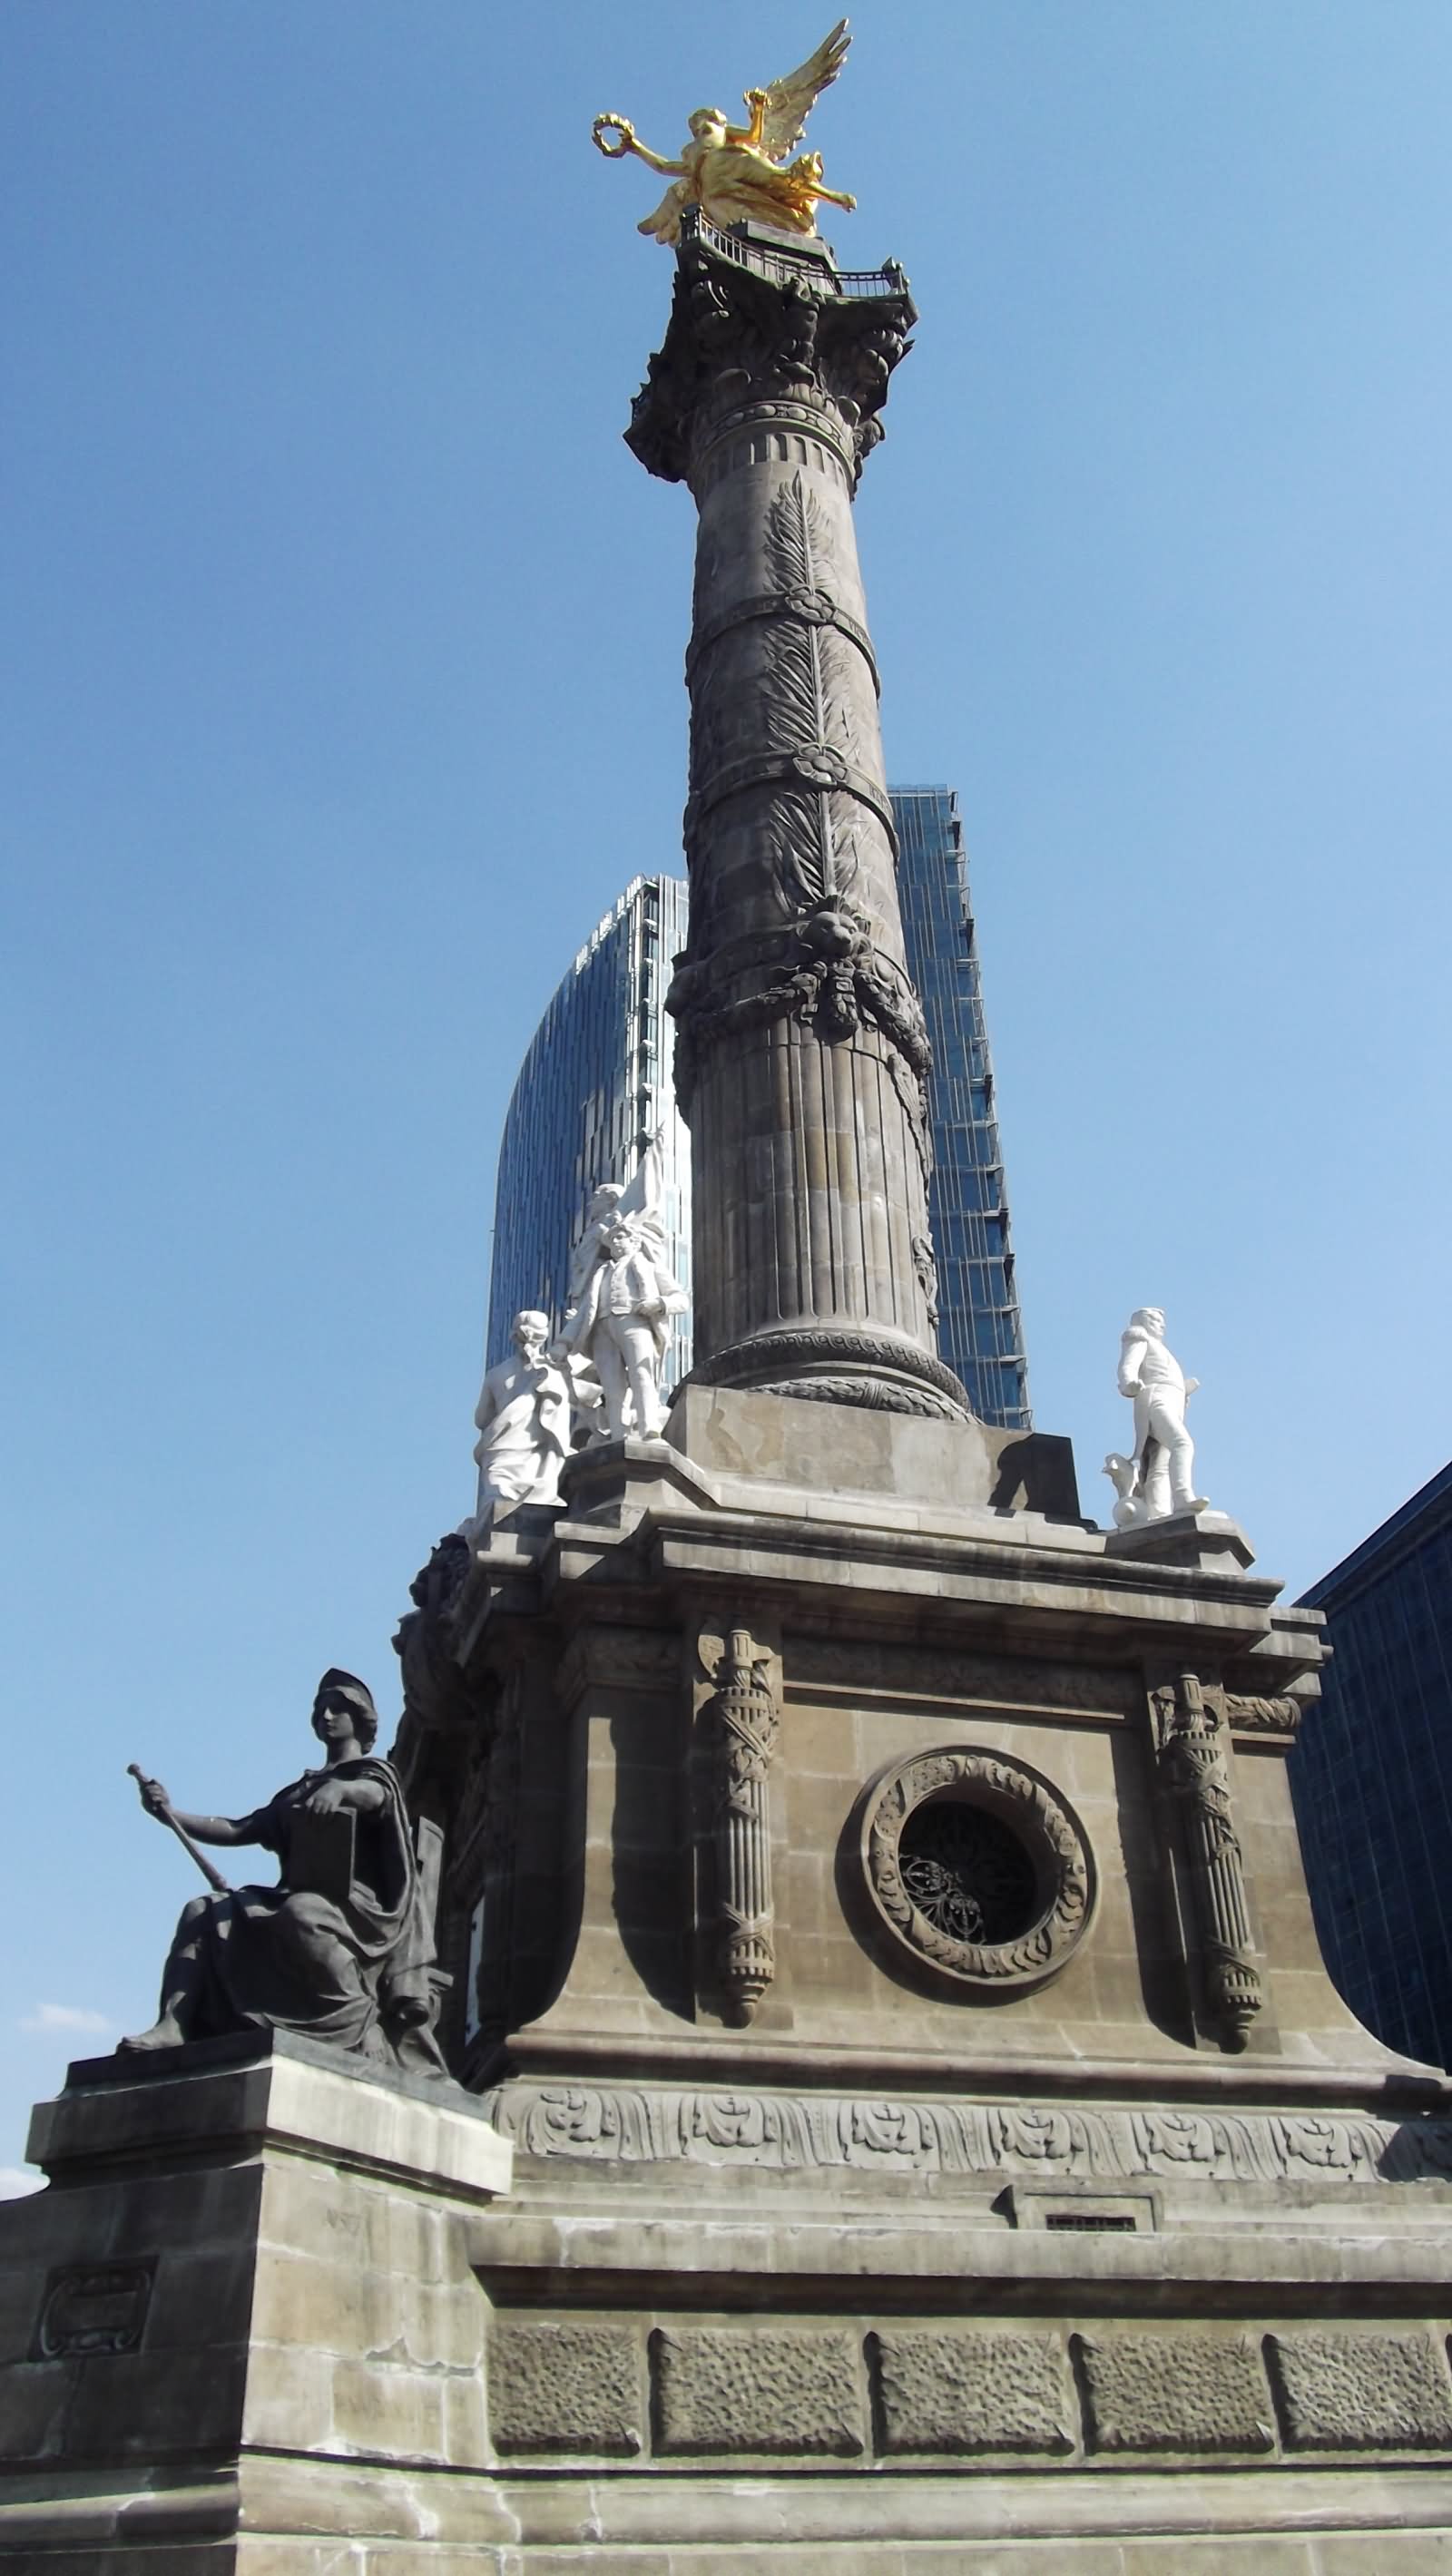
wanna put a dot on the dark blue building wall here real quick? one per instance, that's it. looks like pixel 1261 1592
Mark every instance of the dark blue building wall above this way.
pixel 980 1329
pixel 1371 1777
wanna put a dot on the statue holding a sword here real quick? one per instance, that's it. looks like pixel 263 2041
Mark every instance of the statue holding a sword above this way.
pixel 342 1947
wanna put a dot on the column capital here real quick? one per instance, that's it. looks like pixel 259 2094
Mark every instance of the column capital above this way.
pixel 760 319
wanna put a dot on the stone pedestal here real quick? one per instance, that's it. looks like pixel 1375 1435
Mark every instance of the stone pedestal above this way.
pixel 242 2328
pixel 1095 2232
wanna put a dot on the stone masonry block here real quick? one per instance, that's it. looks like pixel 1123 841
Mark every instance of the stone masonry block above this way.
pixel 769 2388
pixel 1183 2392
pixel 1363 2392
pixel 950 2392
pixel 565 2387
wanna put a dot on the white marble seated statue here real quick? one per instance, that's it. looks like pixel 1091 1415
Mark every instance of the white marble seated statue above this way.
pixel 523 1421
pixel 622 1297
pixel 1159 1479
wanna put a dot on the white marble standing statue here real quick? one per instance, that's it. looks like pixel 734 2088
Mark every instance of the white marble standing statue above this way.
pixel 1159 1479
pixel 523 1421
pixel 622 1296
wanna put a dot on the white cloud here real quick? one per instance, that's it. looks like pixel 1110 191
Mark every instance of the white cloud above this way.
pixel 16 2179
pixel 65 2017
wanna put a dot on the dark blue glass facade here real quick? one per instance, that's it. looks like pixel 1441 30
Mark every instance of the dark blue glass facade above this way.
pixel 1371 1777
pixel 592 1090
pixel 980 1330
pixel 596 1083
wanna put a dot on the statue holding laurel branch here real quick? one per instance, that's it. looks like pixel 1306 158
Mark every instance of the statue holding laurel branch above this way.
pixel 342 1948
pixel 741 173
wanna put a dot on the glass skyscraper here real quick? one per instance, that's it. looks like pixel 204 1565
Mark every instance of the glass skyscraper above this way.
pixel 980 1330
pixel 1371 1777
pixel 596 1083
pixel 592 1091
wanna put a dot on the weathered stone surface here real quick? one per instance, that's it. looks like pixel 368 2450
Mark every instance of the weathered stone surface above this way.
pixel 1362 2392
pixel 557 2386
pixel 1175 2392
pixel 945 2390
pixel 759 2389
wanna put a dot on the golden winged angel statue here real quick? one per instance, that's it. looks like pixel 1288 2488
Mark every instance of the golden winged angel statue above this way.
pixel 741 171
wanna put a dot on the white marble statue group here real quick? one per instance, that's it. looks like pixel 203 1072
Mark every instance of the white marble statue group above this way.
pixel 1159 1479
pixel 600 1374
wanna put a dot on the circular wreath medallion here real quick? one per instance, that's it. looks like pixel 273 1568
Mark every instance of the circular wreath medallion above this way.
pixel 977 1868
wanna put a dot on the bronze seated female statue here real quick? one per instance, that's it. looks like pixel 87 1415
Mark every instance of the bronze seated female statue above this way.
pixel 342 1948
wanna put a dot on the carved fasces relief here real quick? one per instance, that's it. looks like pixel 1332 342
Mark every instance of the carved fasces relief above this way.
pixel 741 1707
pixel 978 1870
pixel 1191 1736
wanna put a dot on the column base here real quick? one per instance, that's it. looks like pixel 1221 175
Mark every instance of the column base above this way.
pixel 882 1372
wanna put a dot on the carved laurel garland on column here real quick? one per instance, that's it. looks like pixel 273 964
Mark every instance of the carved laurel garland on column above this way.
pixel 748 1721
pixel 1191 1736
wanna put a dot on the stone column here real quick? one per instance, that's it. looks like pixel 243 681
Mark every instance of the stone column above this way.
pixel 802 1054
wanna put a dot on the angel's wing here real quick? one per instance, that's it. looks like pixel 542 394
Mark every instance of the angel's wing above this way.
pixel 790 102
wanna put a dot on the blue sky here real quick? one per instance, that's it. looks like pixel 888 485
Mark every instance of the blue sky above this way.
pixel 343 694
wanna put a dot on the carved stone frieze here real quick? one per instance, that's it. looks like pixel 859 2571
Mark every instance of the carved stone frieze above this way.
pixel 939 1904
pixel 1361 2391
pixel 944 2391
pixel 760 2390
pixel 1191 1735
pixel 559 2386
pixel 971 2141
pixel 1176 2392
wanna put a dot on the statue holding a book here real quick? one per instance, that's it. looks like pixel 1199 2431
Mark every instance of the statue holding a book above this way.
pixel 342 1948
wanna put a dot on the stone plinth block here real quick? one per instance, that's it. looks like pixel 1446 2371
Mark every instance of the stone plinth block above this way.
pixel 249 2253
pixel 561 2387
pixel 768 2389
pixel 845 1449
pixel 1363 2392
pixel 954 2392
pixel 1176 2392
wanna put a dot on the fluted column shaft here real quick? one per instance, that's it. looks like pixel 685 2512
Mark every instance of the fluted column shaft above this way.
pixel 802 1055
